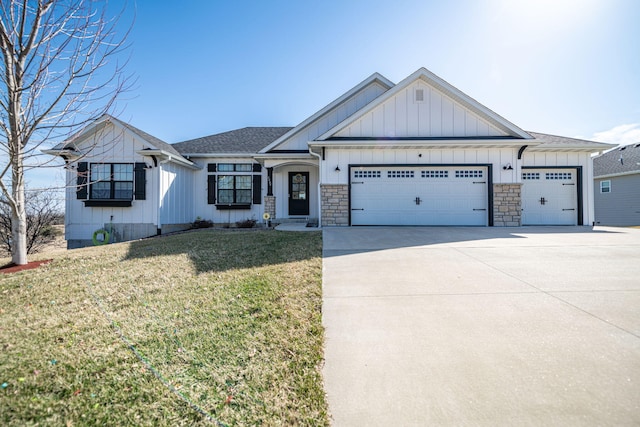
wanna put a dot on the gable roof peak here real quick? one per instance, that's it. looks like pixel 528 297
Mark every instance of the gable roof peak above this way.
pixel 446 88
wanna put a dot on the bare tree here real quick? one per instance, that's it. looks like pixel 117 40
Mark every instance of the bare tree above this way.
pixel 58 71
pixel 42 212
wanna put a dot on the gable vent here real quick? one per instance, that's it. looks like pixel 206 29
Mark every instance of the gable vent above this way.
pixel 419 95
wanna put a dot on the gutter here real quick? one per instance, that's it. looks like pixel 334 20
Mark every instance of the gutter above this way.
pixel 614 175
pixel 165 157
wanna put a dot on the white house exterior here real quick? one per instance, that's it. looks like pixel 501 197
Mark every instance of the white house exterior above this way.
pixel 419 152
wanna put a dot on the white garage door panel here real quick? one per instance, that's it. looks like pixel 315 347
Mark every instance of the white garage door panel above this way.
pixel 549 197
pixel 419 195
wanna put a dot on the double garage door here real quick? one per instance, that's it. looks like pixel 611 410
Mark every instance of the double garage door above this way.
pixel 457 195
pixel 418 195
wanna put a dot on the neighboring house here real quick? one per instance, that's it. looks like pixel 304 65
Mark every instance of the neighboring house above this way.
pixel 617 186
pixel 419 152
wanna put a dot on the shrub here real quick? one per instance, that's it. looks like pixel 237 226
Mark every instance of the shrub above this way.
pixel 247 223
pixel 202 223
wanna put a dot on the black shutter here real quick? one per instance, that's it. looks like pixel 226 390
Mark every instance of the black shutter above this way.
pixel 257 189
pixel 257 167
pixel 139 181
pixel 81 181
pixel 211 189
pixel 211 167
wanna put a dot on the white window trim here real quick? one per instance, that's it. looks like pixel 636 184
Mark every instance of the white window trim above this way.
pixel 607 187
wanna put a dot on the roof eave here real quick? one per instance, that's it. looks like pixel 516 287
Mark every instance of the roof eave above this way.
pixel 614 175
pixel 423 143
pixel 588 148
pixel 170 157
pixel 64 153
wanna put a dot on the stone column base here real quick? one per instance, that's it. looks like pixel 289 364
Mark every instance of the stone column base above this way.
pixel 270 206
pixel 507 205
pixel 335 204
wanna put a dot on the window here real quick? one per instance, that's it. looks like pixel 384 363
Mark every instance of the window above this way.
pixel 234 189
pixel 111 181
pixel 605 186
pixel 235 167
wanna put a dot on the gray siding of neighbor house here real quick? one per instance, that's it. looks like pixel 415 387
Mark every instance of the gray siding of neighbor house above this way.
pixel 620 207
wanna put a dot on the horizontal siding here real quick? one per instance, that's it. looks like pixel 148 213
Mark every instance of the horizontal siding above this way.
pixel 620 207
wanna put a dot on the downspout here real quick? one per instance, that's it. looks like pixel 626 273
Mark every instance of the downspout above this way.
pixel 319 179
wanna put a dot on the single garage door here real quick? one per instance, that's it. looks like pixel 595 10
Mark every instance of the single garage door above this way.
pixel 412 195
pixel 549 197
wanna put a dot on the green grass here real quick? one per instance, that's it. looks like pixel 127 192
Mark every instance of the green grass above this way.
pixel 167 331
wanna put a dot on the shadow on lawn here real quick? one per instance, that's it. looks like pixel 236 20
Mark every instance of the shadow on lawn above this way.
pixel 220 250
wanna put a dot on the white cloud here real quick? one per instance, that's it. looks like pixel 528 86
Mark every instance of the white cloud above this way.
pixel 621 135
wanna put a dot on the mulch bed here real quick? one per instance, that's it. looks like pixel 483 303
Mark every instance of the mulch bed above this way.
pixel 12 268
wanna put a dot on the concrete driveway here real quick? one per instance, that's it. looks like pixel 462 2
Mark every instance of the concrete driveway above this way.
pixel 482 326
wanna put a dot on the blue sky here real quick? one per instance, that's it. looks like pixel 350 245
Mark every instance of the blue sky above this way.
pixel 566 67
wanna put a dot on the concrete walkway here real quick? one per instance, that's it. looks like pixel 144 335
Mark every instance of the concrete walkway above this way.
pixel 482 326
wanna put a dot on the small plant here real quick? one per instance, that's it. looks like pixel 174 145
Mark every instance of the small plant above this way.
pixel 247 223
pixel 202 223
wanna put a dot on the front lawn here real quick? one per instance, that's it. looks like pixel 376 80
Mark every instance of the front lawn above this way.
pixel 201 328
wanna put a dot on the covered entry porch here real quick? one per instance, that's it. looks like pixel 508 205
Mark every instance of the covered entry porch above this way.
pixel 292 189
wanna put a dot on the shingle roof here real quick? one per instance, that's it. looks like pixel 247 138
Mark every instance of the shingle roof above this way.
pixel 566 142
pixel 245 140
pixel 158 143
pixel 620 160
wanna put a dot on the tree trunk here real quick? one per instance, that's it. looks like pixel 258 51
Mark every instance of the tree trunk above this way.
pixel 18 216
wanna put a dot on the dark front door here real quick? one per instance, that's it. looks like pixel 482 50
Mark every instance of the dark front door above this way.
pixel 298 193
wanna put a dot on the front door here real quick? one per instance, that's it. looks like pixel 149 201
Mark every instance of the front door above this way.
pixel 298 193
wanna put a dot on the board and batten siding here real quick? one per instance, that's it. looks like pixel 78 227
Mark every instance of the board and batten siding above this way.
pixel 345 157
pixel 332 118
pixel 110 145
pixel 281 190
pixel 436 115
pixel 207 211
pixel 176 195
pixel 621 206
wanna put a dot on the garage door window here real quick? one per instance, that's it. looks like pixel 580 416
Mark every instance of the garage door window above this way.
pixel 435 174
pixel 400 174
pixel 558 175
pixel 469 174
pixel 531 175
pixel 366 174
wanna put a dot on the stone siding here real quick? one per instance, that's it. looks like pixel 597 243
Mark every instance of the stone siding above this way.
pixel 270 206
pixel 507 205
pixel 335 204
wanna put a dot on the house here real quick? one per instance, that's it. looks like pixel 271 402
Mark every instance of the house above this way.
pixel 419 152
pixel 617 186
